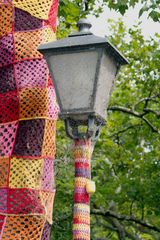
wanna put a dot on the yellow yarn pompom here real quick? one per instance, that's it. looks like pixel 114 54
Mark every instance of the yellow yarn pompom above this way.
pixel 90 187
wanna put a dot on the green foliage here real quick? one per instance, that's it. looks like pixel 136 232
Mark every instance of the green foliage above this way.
pixel 125 163
pixel 71 11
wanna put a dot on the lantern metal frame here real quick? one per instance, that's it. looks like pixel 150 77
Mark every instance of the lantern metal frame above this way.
pixel 79 42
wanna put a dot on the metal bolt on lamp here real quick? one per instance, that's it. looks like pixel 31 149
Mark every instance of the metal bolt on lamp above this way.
pixel 83 68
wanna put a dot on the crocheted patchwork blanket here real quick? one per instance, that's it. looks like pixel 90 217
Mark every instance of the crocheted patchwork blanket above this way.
pixel 28 113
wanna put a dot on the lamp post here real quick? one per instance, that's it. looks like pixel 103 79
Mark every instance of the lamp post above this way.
pixel 83 68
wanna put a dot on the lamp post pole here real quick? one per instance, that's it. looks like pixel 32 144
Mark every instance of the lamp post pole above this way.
pixel 82 188
pixel 83 68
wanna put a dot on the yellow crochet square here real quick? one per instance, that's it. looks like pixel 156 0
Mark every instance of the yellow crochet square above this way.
pixel 26 44
pixel 5 19
pixel 4 163
pixel 33 103
pixel 23 227
pixel 49 146
pixel 48 35
pixel 37 8
pixel 26 173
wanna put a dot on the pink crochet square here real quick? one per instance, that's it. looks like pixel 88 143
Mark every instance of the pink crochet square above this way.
pixel 7 138
pixel 53 106
pixel 46 231
pixel 48 175
pixel 6 50
pixel 32 73
pixel 3 200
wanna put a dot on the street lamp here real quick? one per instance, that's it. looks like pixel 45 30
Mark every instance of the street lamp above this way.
pixel 83 68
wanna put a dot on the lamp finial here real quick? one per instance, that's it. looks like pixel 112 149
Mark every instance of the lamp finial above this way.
pixel 84 25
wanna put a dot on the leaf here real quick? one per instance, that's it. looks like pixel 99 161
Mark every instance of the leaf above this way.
pixel 123 8
pixel 155 15
pixel 142 10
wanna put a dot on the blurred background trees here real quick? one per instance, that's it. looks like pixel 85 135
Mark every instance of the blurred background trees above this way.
pixel 126 159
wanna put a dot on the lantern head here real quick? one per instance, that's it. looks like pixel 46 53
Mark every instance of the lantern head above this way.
pixel 83 68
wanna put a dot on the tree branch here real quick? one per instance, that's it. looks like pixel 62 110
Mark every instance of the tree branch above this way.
pixel 150 98
pixel 121 230
pixel 124 130
pixel 148 110
pixel 135 114
pixel 125 110
pixel 150 125
pixel 124 218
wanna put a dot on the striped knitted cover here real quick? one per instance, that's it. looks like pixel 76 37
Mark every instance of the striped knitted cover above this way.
pixel 28 113
pixel 81 219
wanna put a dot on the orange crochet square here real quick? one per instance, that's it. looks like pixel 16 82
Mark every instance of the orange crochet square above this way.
pixel 48 201
pixel 37 8
pixel 49 146
pixel 23 227
pixel 33 103
pixel 5 19
pixel 26 44
pixel 4 163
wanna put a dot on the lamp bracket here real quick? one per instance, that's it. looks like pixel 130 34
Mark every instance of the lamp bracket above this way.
pixel 92 128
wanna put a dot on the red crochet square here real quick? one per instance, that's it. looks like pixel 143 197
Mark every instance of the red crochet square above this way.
pixel 9 106
pixel 81 198
pixel 50 82
pixel 24 201
pixel 53 15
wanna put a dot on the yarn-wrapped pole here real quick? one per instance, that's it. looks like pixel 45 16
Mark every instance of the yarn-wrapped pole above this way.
pixel 81 219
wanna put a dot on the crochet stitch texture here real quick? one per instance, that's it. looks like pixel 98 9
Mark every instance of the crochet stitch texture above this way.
pixel 28 113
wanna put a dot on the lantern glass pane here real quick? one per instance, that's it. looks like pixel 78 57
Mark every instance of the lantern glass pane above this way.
pixel 107 75
pixel 74 75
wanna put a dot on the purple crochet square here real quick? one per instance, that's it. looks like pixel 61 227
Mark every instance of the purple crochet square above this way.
pixel 7 79
pixel 46 235
pixel 29 138
pixel 3 200
pixel 32 73
pixel 6 50
pixel 48 175
pixel 25 21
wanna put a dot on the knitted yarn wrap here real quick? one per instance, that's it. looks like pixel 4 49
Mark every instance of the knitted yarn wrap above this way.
pixel 81 220
pixel 28 113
